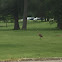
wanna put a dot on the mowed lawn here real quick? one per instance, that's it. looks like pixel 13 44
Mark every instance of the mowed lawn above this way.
pixel 27 44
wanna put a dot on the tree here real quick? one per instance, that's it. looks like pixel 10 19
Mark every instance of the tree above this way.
pixel 57 11
pixel 13 8
pixel 16 24
pixel 24 27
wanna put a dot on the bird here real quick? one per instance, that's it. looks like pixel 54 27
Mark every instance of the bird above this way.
pixel 40 35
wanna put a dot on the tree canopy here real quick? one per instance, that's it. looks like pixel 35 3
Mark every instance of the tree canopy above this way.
pixel 36 8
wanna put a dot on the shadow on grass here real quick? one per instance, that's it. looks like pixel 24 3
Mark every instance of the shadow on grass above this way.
pixel 33 29
pixel 2 26
pixel 43 29
pixel 6 29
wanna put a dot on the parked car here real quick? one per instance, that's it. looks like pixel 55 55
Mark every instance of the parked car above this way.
pixel 30 18
pixel 37 18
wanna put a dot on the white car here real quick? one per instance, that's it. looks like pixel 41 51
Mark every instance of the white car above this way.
pixel 30 18
pixel 36 18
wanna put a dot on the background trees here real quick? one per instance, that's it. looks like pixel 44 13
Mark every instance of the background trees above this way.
pixel 37 8
pixel 13 8
pixel 57 11
pixel 50 9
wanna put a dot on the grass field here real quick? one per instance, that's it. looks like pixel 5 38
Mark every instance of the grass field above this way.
pixel 27 44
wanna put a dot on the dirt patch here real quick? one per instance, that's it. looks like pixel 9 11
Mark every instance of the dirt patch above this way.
pixel 59 35
pixel 33 59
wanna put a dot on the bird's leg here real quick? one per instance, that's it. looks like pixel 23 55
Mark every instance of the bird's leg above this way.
pixel 40 37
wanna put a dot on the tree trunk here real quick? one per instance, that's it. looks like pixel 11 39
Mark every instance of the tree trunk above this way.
pixel 16 24
pixel 24 27
pixel 59 25
pixel 6 23
pixel 47 18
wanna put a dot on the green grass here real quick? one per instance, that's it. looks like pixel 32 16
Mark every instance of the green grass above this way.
pixel 27 44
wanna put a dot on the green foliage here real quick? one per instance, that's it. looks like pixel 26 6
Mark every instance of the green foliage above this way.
pixel 8 6
pixel 37 8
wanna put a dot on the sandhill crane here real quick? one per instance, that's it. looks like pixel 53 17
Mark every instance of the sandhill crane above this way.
pixel 40 35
